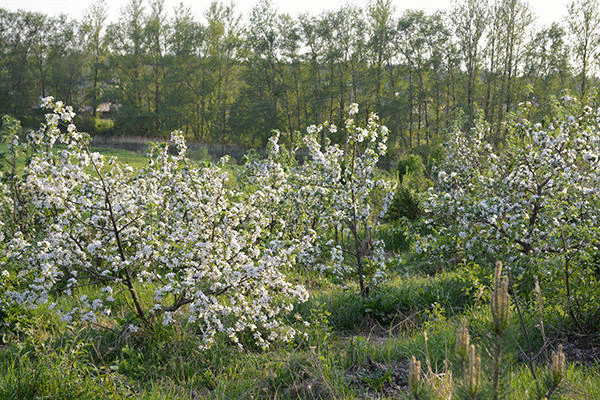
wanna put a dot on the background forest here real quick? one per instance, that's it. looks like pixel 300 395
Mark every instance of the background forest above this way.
pixel 224 79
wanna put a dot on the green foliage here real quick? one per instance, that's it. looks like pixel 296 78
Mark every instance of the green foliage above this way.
pixel 394 235
pixel 222 78
pixel 377 378
pixel 348 346
pixel 410 165
pixel 431 155
pixel 167 364
pixel 414 299
pixel 531 203
pixel 404 205
pixel 103 125
pixel 15 320
pixel 412 180
pixel 63 373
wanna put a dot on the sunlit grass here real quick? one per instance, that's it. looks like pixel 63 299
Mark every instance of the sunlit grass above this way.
pixel 135 160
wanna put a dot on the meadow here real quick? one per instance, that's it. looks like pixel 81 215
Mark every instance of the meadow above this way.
pixel 161 277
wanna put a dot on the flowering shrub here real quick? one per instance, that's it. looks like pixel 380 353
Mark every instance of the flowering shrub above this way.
pixel 535 204
pixel 204 248
pixel 16 219
pixel 13 207
pixel 334 192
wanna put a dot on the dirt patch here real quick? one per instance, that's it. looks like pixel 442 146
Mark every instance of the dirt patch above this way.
pixel 378 380
pixel 584 349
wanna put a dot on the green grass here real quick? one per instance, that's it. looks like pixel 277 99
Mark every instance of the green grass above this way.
pixel 137 160
pixel 103 124
pixel 133 159
pixel 337 360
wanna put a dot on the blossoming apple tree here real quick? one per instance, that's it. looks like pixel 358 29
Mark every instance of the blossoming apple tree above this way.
pixel 335 193
pixel 533 204
pixel 204 249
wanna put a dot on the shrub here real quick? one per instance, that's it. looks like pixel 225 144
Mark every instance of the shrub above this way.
pixel 534 205
pixel 205 248
pixel 335 192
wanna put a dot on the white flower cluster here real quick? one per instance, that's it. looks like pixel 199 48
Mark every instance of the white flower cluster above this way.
pixel 536 199
pixel 335 194
pixel 210 252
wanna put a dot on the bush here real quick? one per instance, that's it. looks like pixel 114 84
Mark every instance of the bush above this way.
pixel 535 205
pixel 404 205
pixel 394 235
pixel 205 249
pixel 412 181
pixel 336 192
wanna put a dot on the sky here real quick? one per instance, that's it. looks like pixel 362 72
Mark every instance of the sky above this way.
pixel 546 11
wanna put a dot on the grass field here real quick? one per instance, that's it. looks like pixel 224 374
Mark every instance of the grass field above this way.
pixel 131 158
pixel 355 348
pixel 136 160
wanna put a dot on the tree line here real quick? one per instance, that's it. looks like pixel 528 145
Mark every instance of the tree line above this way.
pixel 225 79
